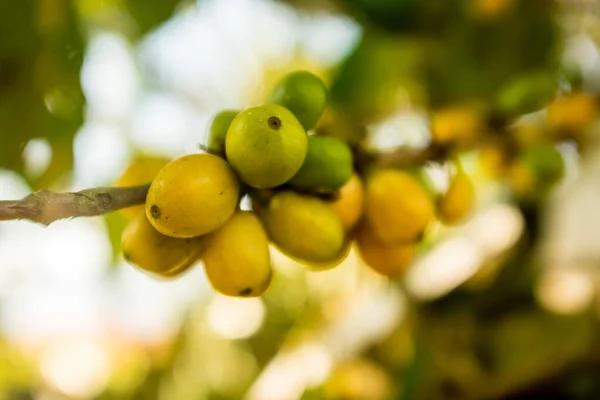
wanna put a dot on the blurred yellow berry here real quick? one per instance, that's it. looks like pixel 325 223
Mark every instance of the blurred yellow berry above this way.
pixel 390 260
pixel 458 201
pixel 349 206
pixel 397 206
pixel 493 160
pixel 457 124
pixel 573 113
pixel 522 179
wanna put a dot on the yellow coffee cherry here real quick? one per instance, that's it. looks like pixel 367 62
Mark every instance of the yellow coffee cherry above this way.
pixel 458 201
pixel 456 125
pixel 335 261
pixel 304 227
pixel 388 260
pixel 192 196
pixel 237 259
pixel 572 113
pixel 397 206
pixel 350 204
pixel 140 172
pixel 150 250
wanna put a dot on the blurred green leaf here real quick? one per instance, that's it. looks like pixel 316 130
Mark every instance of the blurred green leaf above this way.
pixel 148 14
pixel 41 53
pixel 414 376
pixel 528 346
pixel 368 82
pixel 392 15
pixel 527 93
pixel 477 58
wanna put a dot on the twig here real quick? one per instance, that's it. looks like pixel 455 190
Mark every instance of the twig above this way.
pixel 400 157
pixel 46 207
pixel 406 156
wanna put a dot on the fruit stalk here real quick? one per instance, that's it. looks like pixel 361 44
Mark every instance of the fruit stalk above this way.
pixel 400 157
pixel 45 207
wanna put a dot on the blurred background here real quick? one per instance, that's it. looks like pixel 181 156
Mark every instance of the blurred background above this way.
pixel 505 306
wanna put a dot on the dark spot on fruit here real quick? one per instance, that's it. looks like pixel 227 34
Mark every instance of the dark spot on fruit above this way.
pixel 274 123
pixel 188 241
pixel 221 192
pixel 155 211
pixel 246 292
pixel 127 257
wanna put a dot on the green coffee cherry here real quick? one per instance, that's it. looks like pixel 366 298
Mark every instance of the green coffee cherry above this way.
pixel 304 94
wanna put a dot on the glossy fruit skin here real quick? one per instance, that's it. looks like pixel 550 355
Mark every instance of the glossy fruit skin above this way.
pixel 304 94
pixel 388 260
pixel 304 227
pixel 236 259
pixel 328 164
pixel 335 261
pixel 350 204
pixel 140 172
pixel 397 206
pixel 163 256
pixel 266 145
pixel 192 196
pixel 458 201
pixel 218 131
